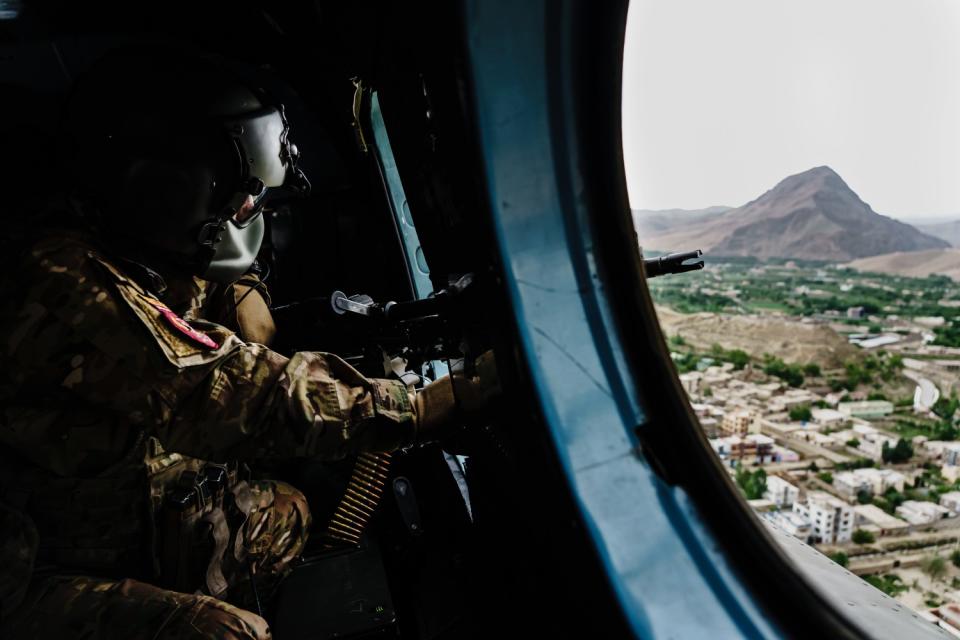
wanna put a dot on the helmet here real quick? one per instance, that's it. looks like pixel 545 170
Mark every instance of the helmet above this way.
pixel 179 157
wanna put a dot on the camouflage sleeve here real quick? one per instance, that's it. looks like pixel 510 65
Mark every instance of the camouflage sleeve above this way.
pixel 85 329
pixel 18 549
pixel 257 403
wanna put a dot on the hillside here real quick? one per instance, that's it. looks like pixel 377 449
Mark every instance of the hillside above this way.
pixel 813 215
pixel 913 263
pixel 791 340
pixel 949 231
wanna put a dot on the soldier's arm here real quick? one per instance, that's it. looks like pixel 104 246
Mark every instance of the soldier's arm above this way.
pixel 202 390
pixel 254 402
pixel 244 307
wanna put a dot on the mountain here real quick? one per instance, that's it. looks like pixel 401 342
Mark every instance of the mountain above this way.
pixel 812 215
pixel 655 221
pixel 949 231
pixel 915 264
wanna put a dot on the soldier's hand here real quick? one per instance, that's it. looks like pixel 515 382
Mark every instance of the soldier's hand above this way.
pixel 452 400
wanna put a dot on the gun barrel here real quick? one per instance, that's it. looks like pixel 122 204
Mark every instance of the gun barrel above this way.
pixel 673 263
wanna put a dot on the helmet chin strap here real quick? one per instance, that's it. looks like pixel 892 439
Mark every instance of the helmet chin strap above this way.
pixel 231 249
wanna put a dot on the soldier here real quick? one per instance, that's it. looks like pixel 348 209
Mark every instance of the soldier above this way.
pixel 114 386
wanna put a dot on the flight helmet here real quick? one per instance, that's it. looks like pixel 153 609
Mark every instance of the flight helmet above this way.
pixel 179 156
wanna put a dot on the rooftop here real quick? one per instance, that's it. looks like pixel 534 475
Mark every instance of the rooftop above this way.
pixel 876 515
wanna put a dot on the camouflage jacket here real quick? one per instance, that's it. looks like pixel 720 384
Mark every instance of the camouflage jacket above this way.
pixel 94 367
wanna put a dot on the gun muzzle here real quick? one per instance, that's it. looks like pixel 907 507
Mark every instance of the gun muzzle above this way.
pixel 673 263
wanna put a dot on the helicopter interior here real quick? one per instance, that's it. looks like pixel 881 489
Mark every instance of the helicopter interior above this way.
pixel 459 546
pixel 469 150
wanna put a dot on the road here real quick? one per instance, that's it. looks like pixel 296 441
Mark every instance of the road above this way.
pixel 807 449
pixel 926 394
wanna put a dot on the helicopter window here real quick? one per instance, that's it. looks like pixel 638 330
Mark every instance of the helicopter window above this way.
pixel 810 154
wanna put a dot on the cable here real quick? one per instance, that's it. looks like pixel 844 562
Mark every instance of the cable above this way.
pixel 260 283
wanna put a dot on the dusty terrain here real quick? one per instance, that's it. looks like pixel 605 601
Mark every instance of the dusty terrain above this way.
pixel 913 263
pixel 791 340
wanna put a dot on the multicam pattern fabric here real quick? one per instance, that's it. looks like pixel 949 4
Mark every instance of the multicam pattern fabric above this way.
pixel 91 371
pixel 67 606
pixel 18 547
pixel 90 607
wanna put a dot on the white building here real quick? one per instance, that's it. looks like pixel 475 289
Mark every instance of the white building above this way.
pixel 781 492
pixel 831 519
pixel 917 513
pixel 791 522
pixel 950 472
pixel 866 408
pixel 827 417
pixel 886 524
pixel 872 445
pixel 882 479
pixel 691 382
pixel 949 500
pixel 849 484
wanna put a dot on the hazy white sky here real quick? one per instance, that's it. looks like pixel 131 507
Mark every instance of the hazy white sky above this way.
pixel 724 98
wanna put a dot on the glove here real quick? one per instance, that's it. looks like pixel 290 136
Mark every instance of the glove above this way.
pixel 452 399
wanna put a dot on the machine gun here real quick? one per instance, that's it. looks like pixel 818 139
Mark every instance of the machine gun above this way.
pixel 448 325
pixel 672 263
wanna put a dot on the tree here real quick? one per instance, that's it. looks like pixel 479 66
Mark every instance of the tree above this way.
pixel 789 373
pixel 811 369
pixel 826 476
pixel 801 413
pixel 955 558
pixel 853 442
pixel 902 452
pixel 862 536
pixel 945 408
pixel 946 431
pixel 840 558
pixel 934 566
pixel 890 584
pixel 753 484
pixel 738 357
pixel 864 497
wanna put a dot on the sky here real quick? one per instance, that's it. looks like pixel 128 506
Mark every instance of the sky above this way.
pixel 724 98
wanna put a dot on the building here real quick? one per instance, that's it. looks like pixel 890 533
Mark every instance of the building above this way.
pixel 783 454
pixel 849 485
pixel 950 473
pixel 737 423
pixel 691 382
pixel 881 480
pixel 866 408
pixel 855 312
pixel 878 341
pixel 873 445
pixel 828 417
pixel 781 492
pixel 791 522
pixel 762 505
pixel 949 500
pixel 919 513
pixel 831 519
pixel 754 446
pixel 948 617
pixel 886 524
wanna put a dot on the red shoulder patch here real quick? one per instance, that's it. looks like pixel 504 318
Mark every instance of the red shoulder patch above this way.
pixel 181 325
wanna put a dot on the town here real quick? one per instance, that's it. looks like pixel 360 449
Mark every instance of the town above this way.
pixel 841 432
